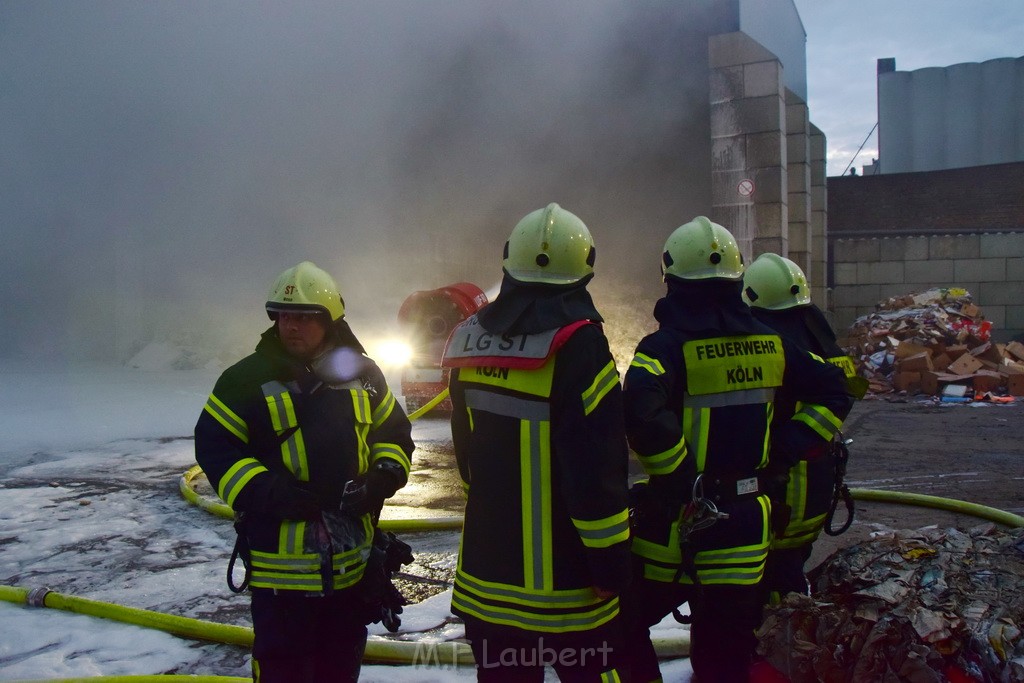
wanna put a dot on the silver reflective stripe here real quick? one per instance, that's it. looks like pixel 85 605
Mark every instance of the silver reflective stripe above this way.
pixel 226 417
pixel 719 557
pixel 292 535
pixel 564 622
pixel 246 470
pixel 592 537
pixel 507 405
pixel 742 397
pixel 569 598
pixel 278 563
pixel 603 383
pixel 821 416
pixel 275 391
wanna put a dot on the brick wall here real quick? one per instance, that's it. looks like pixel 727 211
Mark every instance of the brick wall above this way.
pixel 902 233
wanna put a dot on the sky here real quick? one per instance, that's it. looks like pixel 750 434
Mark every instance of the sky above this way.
pixel 845 40
pixel 165 160
pixel 89 506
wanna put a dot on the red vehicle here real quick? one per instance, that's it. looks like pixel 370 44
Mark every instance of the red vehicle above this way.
pixel 427 319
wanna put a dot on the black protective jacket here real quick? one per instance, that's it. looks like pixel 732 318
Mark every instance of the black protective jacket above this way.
pixel 278 444
pixel 699 397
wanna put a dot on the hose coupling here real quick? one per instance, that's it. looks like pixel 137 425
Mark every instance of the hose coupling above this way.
pixel 37 597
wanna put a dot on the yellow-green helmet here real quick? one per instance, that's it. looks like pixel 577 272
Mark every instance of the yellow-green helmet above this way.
pixel 701 250
pixel 549 245
pixel 775 283
pixel 305 287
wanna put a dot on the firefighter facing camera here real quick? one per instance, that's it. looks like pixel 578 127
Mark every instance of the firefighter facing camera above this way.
pixel 699 395
pixel 304 440
pixel 779 296
pixel 539 441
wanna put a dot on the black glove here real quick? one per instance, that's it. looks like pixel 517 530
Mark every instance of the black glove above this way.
pixel 366 493
pixel 287 500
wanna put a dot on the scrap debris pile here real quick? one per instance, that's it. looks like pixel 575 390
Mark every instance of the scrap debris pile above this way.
pixel 922 606
pixel 937 343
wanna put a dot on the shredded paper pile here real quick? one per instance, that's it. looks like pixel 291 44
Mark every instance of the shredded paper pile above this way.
pixel 920 606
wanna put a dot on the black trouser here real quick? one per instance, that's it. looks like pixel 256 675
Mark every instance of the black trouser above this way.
pixel 305 639
pixel 784 572
pixel 722 640
pixel 510 655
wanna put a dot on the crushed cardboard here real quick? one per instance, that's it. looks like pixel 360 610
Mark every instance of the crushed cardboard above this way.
pixel 921 343
pixel 924 605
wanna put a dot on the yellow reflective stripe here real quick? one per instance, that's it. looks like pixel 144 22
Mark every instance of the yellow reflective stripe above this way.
pixel 741 576
pixel 602 533
pixel 667 554
pixel 845 363
pixel 290 537
pixel 665 462
pixel 363 419
pixel 391 452
pixel 548 623
pixel 535 484
pixel 279 402
pixel 536 382
pixel 769 415
pixel 504 592
pixel 796 490
pixel 648 363
pixel 228 419
pixel 305 562
pixel 736 555
pixel 237 476
pixel 283 419
pixel 602 384
pixel 293 453
pixel 384 409
pixel 695 431
pixel 610 677
pixel 819 418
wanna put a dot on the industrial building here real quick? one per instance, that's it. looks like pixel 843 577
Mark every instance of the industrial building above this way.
pixel 943 204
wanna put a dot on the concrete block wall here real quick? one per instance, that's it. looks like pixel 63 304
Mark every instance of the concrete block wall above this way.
pixel 819 256
pixel 798 176
pixel 990 266
pixel 748 131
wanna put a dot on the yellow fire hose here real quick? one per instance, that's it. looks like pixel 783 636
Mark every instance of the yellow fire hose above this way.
pixel 152 678
pixel 378 650
pixel 383 650
pixel 428 406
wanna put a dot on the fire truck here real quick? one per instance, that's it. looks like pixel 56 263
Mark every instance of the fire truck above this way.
pixel 426 320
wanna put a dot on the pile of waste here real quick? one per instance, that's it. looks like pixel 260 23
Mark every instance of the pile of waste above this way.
pixel 922 606
pixel 938 343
